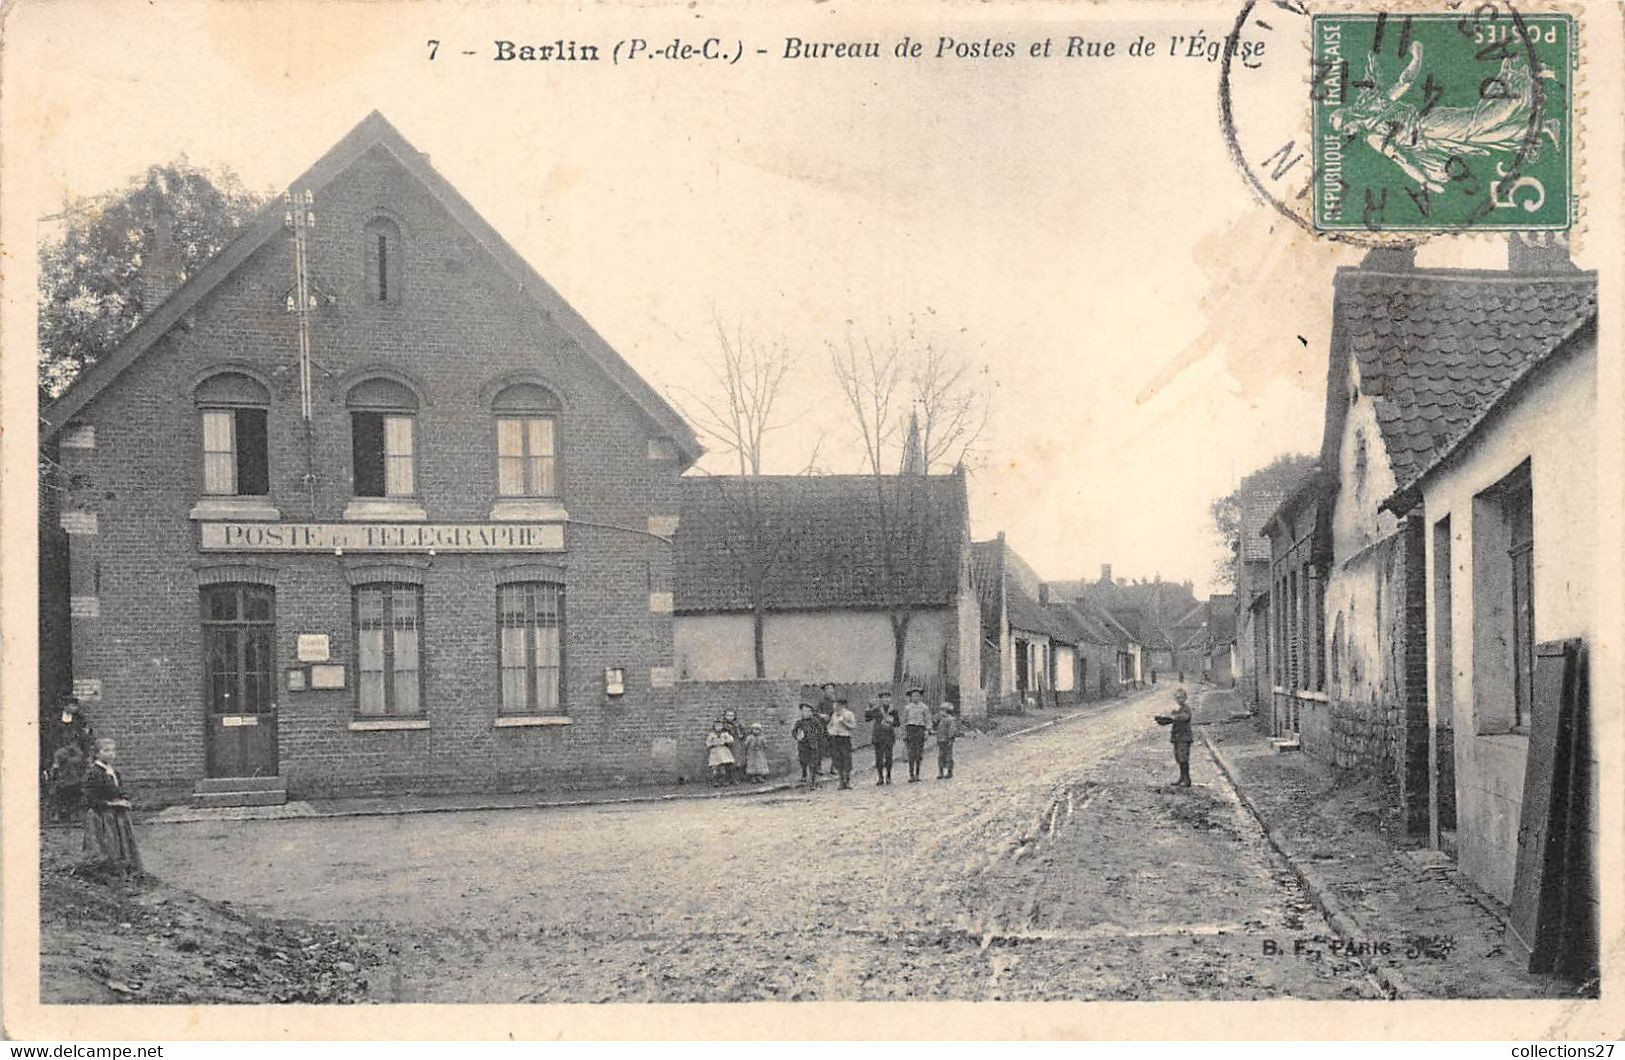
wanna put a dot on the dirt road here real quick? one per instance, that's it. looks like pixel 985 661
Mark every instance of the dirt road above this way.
pixel 1054 865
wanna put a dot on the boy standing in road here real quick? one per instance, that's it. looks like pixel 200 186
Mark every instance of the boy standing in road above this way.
pixel 884 734
pixel 1180 719
pixel 842 724
pixel 916 719
pixel 809 744
pixel 947 733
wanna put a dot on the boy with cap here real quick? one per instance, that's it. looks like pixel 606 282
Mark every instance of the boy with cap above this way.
pixel 842 724
pixel 1180 719
pixel 883 737
pixel 916 719
pixel 808 733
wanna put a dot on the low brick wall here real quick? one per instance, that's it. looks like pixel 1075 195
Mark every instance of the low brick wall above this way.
pixel 696 704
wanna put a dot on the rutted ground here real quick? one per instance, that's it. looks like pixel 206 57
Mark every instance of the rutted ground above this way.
pixel 1053 866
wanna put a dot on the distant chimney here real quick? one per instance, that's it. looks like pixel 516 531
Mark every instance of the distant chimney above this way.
pixel 1043 594
pixel 1539 252
pixel 1105 572
pixel 161 265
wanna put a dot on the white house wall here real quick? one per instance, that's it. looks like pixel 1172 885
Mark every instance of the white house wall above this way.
pixel 1551 426
pixel 813 646
pixel 1066 667
pixel 968 637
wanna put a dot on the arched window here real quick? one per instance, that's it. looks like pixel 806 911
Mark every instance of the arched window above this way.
pixel 383 417
pixel 527 422
pixel 236 458
pixel 385 263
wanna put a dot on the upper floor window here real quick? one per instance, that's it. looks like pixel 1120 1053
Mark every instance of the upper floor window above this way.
pixel 381 249
pixel 527 441
pixel 236 458
pixel 383 420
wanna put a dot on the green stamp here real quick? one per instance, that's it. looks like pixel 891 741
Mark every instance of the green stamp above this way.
pixel 1440 123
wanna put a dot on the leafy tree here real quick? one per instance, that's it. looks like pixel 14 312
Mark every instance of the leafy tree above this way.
pixel 91 294
pixel 1280 476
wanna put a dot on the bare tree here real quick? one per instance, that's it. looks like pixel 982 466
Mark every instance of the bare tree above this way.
pixel 914 409
pixel 749 375
pixel 951 409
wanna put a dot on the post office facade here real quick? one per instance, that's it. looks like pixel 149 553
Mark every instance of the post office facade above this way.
pixel 364 506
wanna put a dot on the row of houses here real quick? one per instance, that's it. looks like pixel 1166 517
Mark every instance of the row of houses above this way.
pixel 425 529
pixel 1419 605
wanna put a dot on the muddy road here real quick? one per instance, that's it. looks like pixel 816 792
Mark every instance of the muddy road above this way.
pixel 1055 865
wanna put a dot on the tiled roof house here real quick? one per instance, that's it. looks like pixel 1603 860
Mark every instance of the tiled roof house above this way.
pixel 825 593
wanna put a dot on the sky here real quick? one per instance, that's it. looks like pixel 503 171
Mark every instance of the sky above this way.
pixel 1149 330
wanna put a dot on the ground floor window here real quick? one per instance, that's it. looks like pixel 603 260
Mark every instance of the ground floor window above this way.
pixel 530 619
pixel 388 677
pixel 238 631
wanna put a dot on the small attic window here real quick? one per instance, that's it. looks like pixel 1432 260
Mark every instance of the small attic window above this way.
pixel 1361 460
pixel 384 261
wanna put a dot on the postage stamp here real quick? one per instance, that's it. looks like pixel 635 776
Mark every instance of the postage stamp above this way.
pixel 1443 122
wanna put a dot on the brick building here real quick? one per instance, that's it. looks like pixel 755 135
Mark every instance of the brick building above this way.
pixel 454 573
pixel 1418 358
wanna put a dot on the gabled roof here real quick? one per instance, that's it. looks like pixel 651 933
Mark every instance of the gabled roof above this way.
pixel 374 131
pixel 987 565
pixel 1436 347
pixel 1132 620
pixel 1090 625
pixel 826 543
pixel 1406 498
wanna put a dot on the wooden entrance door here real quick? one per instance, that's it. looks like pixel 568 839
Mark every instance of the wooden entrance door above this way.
pixel 239 675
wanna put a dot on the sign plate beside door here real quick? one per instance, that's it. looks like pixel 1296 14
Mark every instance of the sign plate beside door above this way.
pixel 313 647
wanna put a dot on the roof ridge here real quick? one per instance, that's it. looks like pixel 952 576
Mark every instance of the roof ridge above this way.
pixel 1469 275
pixel 373 130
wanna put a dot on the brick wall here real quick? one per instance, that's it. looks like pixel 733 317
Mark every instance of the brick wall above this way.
pixel 55 628
pixel 696 704
pixel 459 328
pixel 1377 663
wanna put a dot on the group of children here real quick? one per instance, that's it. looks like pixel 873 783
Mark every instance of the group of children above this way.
pixel 733 754
pixel 80 777
pixel 826 731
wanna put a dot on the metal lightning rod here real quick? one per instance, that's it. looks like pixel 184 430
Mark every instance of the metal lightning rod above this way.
pixel 300 215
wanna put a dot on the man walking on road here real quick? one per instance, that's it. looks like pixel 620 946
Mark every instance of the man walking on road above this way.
pixel 1180 719
pixel 842 724
pixel 916 719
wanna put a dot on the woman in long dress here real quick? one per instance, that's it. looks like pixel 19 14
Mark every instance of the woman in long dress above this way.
pixel 109 839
